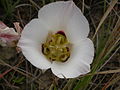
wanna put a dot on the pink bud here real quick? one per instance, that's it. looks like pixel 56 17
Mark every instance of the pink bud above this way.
pixel 7 35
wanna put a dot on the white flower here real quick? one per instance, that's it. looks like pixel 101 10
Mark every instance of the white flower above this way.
pixel 56 19
pixel 7 35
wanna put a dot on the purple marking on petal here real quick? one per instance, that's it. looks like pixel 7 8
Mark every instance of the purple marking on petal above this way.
pixel 61 32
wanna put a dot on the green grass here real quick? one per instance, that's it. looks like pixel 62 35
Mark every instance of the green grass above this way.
pixel 8 7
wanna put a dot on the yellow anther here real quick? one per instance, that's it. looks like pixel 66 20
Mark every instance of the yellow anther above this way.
pixel 56 48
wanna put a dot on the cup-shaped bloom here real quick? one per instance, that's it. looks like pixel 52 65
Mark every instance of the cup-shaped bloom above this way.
pixel 57 39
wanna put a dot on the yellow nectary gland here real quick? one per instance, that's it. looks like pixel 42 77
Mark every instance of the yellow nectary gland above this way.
pixel 56 47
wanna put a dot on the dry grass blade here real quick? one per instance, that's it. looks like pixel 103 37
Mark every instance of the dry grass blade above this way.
pixel 25 73
pixel 114 38
pixel 83 5
pixel 109 71
pixel 3 74
pixel 111 43
pixel 112 4
pixel 115 33
pixel 116 79
pixel 21 5
pixel 98 84
pixel 109 58
pixel 15 68
pixel 34 4
pixel 51 87
pixel 102 72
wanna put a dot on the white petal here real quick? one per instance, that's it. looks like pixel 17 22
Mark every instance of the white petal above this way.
pixel 65 16
pixel 78 63
pixel 30 42
pixel 35 56
pixel 35 31
pixel 55 14
pixel 77 26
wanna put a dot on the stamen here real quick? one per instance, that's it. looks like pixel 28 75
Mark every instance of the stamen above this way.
pixel 56 47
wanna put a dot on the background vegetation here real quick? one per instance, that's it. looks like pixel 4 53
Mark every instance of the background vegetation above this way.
pixel 16 73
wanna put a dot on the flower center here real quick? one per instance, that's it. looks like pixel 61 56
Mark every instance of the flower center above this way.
pixel 56 47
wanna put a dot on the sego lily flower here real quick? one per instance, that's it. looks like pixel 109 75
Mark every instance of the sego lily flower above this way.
pixel 57 39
